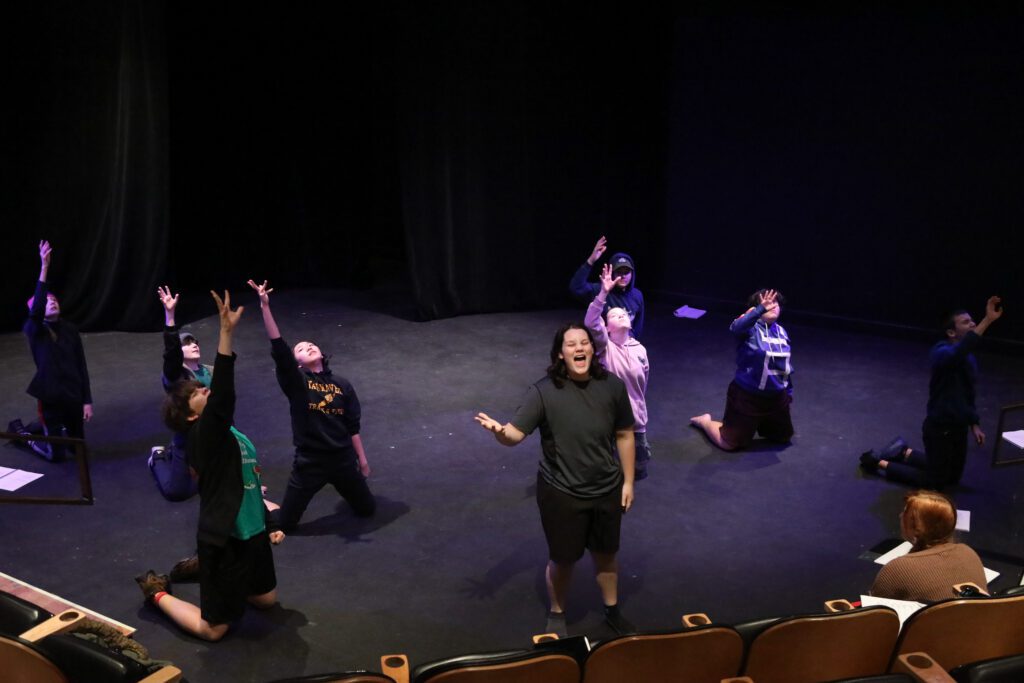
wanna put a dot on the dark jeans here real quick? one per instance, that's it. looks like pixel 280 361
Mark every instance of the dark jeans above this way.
pixel 312 473
pixel 172 474
pixel 941 463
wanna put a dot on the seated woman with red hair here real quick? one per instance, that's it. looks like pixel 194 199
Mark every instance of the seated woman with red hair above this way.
pixel 927 573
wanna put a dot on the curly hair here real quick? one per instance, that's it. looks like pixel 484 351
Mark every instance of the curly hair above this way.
pixel 556 371
pixel 175 410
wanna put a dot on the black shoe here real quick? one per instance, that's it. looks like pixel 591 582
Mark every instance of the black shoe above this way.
pixel 869 462
pixel 16 427
pixel 641 473
pixel 556 624
pixel 618 623
pixel 185 571
pixel 152 583
pixel 894 450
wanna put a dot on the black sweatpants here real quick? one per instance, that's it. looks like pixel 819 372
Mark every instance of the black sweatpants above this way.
pixel 310 473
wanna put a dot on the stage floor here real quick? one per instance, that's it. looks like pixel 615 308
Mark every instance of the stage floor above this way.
pixel 453 562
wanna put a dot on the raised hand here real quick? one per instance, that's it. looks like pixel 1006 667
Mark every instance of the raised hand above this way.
pixel 598 250
pixel 170 301
pixel 228 318
pixel 993 308
pixel 262 291
pixel 608 283
pixel 768 299
pixel 44 253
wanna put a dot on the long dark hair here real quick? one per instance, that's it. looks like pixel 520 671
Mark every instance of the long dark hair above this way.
pixel 556 371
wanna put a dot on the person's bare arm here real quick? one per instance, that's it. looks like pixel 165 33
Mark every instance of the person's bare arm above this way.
pixel 506 434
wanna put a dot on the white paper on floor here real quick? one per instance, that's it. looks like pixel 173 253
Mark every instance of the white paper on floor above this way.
pixel 12 480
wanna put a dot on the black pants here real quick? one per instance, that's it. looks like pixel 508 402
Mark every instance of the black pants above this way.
pixel 312 473
pixel 943 460
pixel 61 419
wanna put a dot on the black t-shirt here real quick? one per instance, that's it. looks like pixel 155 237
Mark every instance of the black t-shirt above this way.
pixel 577 430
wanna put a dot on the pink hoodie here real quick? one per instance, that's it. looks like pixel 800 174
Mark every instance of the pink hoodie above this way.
pixel 627 361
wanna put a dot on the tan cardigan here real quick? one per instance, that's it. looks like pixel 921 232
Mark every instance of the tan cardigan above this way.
pixel 928 575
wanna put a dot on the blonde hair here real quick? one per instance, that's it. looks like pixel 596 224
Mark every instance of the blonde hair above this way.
pixel 929 517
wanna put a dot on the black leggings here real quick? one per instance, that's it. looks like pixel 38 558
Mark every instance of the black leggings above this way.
pixel 309 476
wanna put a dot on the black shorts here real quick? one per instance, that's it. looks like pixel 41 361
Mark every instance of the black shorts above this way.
pixel 747 414
pixel 229 575
pixel 573 524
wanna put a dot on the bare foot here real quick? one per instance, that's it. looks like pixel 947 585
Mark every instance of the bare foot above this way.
pixel 701 420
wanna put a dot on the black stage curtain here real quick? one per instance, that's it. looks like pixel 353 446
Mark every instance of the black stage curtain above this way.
pixel 85 158
pixel 868 161
pixel 526 131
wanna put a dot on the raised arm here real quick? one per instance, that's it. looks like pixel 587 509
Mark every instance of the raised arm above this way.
pixel 742 324
pixel 506 434
pixel 44 261
pixel 578 285
pixel 169 302
pixel 993 312
pixel 268 318
pixel 593 319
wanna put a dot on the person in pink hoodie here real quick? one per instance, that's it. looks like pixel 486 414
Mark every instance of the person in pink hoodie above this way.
pixel 623 356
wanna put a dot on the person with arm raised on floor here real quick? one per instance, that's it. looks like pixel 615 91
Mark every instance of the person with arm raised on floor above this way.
pixel 624 357
pixel 61 382
pixel 585 478
pixel 235 529
pixel 325 416
pixel 624 295
pixel 761 392
pixel 952 416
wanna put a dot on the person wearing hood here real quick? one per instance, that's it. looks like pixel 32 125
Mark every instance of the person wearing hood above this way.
pixel 625 357
pixel 625 295
pixel 325 416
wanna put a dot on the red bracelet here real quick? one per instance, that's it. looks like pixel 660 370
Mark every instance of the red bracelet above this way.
pixel 157 597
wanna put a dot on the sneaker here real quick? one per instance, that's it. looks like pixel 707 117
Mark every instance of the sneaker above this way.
pixel 152 583
pixel 44 449
pixel 618 623
pixel 869 462
pixel 155 453
pixel 894 450
pixel 556 624
pixel 185 571
pixel 15 426
pixel 640 472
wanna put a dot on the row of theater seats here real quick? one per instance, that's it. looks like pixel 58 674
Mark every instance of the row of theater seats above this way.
pixel 36 647
pixel 967 640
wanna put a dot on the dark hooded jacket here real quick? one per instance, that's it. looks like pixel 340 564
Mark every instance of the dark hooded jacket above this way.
pixel 628 298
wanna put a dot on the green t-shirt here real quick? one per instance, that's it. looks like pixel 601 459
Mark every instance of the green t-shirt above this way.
pixel 251 518
pixel 204 375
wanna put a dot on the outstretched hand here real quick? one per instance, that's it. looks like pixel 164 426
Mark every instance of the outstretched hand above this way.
pixel 993 308
pixel 488 423
pixel 598 250
pixel 44 253
pixel 228 318
pixel 768 299
pixel 170 301
pixel 608 283
pixel 262 291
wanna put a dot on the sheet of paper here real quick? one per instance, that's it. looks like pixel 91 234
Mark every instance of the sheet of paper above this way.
pixel 963 520
pixel 903 608
pixel 687 312
pixel 1015 437
pixel 990 574
pixel 899 551
pixel 14 480
pixel 4 471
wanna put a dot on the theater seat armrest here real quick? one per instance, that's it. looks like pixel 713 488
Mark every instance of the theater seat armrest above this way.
pixel 840 605
pixel 696 619
pixel 168 674
pixel 544 637
pixel 921 667
pixel 396 666
pixel 58 623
